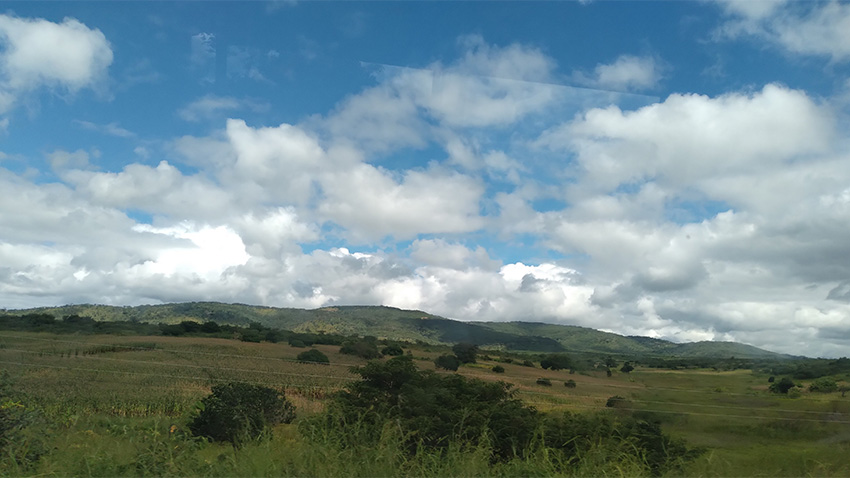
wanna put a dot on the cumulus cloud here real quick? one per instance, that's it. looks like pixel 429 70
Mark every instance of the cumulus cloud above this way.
pixel 626 73
pixel 809 28
pixel 65 57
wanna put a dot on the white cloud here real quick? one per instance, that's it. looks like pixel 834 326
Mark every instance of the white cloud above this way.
pixel 808 28
pixel 371 204
pixel 111 129
pixel 66 57
pixel 59 159
pixel 627 73
pixel 210 106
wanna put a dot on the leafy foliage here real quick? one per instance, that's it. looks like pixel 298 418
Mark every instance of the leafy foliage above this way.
pixel 557 362
pixel 570 383
pixel 447 362
pixel 824 385
pixel 238 412
pixel 430 409
pixel 498 369
pixel 627 367
pixel 465 352
pixel 393 350
pixel 313 356
pixel 361 348
pixel 782 386
pixel 544 381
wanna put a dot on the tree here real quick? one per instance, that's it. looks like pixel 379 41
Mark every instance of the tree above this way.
pixel 465 352
pixel 392 350
pixel 627 367
pixel 238 412
pixel 610 362
pixel 824 385
pixel 570 383
pixel 431 410
pixel 498 369
pixel 313 356
pixel 782 386
pixel 447 362
pixel 557 362
pixel 366 349
pixel 544 381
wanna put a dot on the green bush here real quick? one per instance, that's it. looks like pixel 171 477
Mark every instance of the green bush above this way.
pixel 498 369
pixel 465 352
pixel 570 383
pixel 557 362
pixel 313 356
pixel 392 350
pixel 782 386
pixel 627 367
pixel 366 349
pixel 527 363
pixel 428 410
pixel 824 385
pixel 544 381
pixel 616 402
pixel 447 362
pixel 239 412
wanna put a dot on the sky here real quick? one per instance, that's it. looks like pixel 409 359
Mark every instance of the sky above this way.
pixel 672 169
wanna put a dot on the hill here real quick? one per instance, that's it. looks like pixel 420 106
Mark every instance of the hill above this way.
pixel 412 325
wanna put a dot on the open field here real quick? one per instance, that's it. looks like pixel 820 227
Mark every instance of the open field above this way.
pixel 108 400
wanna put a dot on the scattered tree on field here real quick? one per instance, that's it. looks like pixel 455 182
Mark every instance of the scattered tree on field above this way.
pixel 465 352
pixel 447 362
pixel 313 356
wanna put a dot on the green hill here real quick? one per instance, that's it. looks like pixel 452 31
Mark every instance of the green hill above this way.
pixel 411 325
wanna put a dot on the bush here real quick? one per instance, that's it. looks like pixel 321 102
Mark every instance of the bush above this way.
pixel 498 369
pixel 570 383
pixel 239 412
pixel 557 362
pixel 430 411
pixel 527 363
pixel 627 367
pixel 824 385
pixel 616 402
pixel 447 362
pixel 782 386
pixel 366 349
pixel 544 381
pixel 313 356
pixel 465 352
pixel 297 343
pixel 392 350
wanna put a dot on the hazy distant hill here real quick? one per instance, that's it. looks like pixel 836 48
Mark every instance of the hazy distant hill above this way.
pixel 398 324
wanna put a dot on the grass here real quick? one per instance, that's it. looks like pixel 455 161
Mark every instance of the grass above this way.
pixel 121 412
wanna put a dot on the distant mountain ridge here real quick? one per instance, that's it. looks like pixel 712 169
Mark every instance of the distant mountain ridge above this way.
pixel 399 324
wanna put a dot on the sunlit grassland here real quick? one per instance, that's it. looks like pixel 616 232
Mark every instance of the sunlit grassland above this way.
pixel 118 406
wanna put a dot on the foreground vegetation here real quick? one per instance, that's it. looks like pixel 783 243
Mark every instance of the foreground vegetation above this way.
pixel 84 403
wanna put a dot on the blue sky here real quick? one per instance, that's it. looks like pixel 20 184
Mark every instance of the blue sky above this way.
pixel 671 169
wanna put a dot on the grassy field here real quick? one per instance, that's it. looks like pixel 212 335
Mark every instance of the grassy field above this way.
pixel 118 406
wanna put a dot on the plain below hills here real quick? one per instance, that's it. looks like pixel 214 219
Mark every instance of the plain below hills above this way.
pixel 412 325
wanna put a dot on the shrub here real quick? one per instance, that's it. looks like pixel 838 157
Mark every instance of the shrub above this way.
pixel 527 363
pixel 238 412
pixel 570 383
pixel 313 356
pixel 544 381
pixel 366 349
pixel 298 343
pixel 447 362
pixel 782 386
pixel 824 385
pixel 392 350
pixel 556 362
pixel 616 402
pixel 771 379
pixel 498 369
pixel 627 367
pixel 430 411
pixel 465 352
